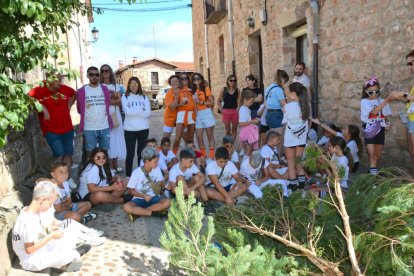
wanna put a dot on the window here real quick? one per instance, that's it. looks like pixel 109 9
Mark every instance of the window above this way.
pixel 154 80
pixel 221 54
pixel 302 48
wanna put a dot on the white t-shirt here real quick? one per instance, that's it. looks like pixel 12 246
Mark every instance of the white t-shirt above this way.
pixel 244 114
pixel 27 229
pixel 63 192
pixel 342 161
pixel 353 147
pixel 188 173
pixel 367 105
pixel 268 152
pixel 249 172
pixel 225 177
pixel 95 112
pixel 234 157
pixel 140 183
pixel 303 79
pixel 293 118
pixel 91 176
pixel 167 158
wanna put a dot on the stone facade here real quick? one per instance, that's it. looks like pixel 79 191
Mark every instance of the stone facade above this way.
pixel 358 39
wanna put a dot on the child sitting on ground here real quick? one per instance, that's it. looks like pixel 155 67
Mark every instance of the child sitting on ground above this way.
pixel 200 160
pixel 36 248
pixel 146 184
pixel 64 206
pixel 189 174
pixel 256 170
pixel 270 153
pixel 341 156
pixel 228 143
pixel 223 174
pixel 152 142
pixel 166 154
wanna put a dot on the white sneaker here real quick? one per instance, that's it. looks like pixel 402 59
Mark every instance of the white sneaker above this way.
pixel 96 233
pixel 95 241
pixel 72 184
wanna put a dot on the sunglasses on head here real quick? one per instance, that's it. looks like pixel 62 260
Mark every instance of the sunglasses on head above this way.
pixel 232 80
pixel 411 63
pixel 105 71
pixel 100 157
pixel 196 79
pixel 372 92
pixel 93 75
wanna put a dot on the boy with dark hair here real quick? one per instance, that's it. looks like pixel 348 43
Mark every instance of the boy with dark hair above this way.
pixel 224 175
pixel 188 172
pixel 228 143
pixel 166 154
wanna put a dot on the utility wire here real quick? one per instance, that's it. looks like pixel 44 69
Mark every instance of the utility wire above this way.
pixel 97 9
pixel 140 3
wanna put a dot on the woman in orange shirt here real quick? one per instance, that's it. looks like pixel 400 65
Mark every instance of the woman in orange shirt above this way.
pixel 171 104
pixel 203 98
pixel 185 115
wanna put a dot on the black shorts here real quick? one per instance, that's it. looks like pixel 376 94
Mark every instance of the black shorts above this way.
pixel 263 129
pixel 298 146
pixel 379 139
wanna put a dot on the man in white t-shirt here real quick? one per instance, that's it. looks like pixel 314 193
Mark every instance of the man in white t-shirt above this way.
pixel 188 173
pixel 223 174
pixel 301 77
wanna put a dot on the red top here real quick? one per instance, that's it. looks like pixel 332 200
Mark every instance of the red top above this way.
pixel 57 103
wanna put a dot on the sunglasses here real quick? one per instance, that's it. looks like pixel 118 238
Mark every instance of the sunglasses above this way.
pixel 105 71
pixel 196 79
pixel 372 92
pixel 228 146
pixel 232 81
pixel 184 78
pixel 96 75
pixel 100 157
pixel 411 63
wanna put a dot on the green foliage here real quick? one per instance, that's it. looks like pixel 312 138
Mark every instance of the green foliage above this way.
pixel 29 30
pixel 192 248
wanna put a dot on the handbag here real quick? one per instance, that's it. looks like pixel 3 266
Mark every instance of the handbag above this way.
pixel 157 188
pixel 370 131
pixel 115 121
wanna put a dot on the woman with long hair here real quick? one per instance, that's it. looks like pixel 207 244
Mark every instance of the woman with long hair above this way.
pixel 229 96
pixel 117 148
pixel 137 110
pixel 204 101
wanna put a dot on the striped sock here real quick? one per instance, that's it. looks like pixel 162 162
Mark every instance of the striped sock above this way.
pixel 293 184
pixel 373 171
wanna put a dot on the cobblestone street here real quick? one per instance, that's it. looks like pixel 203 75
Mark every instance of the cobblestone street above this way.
pixel 130 248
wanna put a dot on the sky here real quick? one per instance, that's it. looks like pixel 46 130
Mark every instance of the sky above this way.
pixel 130 33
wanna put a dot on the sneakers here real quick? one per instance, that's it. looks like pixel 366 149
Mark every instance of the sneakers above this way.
pixel 161 214
pixel 83 249
pixel 96 233
pixel 72 184
pixel 95 241
pixel 75 265
pixel 209 208
pixel 131 217
pixel 89 216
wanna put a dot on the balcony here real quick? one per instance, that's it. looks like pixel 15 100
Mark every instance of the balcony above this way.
pixel 215 10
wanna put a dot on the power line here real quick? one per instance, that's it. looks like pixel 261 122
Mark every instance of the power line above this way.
pixel 140 3
pixel 99 9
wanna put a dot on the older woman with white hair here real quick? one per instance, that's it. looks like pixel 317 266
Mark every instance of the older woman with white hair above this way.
pixel 146 184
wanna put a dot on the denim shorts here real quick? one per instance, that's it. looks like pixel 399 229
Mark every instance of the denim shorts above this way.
pixel 140 202
pixel 94 137
pixel 61 216
pixel 410 126
pixel 274 118
pixel 60 144
pixel 205 118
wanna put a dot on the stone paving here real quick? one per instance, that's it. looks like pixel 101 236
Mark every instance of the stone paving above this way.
pixel 130 248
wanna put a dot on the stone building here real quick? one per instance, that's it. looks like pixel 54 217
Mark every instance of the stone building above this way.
pixel 357 39
pixel 153 73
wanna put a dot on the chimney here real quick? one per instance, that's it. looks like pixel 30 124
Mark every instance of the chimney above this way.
pixel 120 63
pixel 134 60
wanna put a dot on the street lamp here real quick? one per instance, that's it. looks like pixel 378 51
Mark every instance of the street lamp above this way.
pixel 95 36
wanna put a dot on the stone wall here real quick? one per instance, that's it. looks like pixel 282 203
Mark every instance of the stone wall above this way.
pixel 25 157
pixel 358 39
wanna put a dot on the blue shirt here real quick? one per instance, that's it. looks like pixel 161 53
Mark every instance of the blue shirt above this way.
pixel 276 95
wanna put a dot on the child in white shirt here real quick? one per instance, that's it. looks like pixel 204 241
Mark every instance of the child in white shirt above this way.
pixel 228 143
pixel 166 153
pixel 270 153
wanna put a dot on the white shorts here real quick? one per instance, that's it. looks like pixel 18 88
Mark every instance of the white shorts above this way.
pixel 168 129
pixel 181 117
pixel 205 118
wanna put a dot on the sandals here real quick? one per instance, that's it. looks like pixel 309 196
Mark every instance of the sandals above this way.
pixel 89 216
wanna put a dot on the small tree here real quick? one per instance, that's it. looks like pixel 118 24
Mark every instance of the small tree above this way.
pixel 193 250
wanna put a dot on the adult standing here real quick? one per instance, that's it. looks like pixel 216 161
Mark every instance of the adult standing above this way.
pixel 171 101
pixel 301 77
pixel 93 101
pixel 275 99
pixel 252 84
pixel 229 96
pixel 55 121
pixel 137 110
pixel 117 148
pixel 203 98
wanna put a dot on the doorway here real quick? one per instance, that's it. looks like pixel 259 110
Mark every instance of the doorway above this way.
pixel 256 57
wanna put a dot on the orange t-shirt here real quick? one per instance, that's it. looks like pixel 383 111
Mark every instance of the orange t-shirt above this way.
pixel 170 115
pixel 186 93
pixel 203 97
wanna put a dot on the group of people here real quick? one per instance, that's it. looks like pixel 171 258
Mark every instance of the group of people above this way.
pixel 275 128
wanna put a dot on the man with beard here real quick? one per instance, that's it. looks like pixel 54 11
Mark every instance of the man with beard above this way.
pixel 93 106
pixel 301 77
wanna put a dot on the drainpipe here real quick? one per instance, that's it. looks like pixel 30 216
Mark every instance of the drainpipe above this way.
pixel 315 13
pixel 230 23
pixel 206 48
